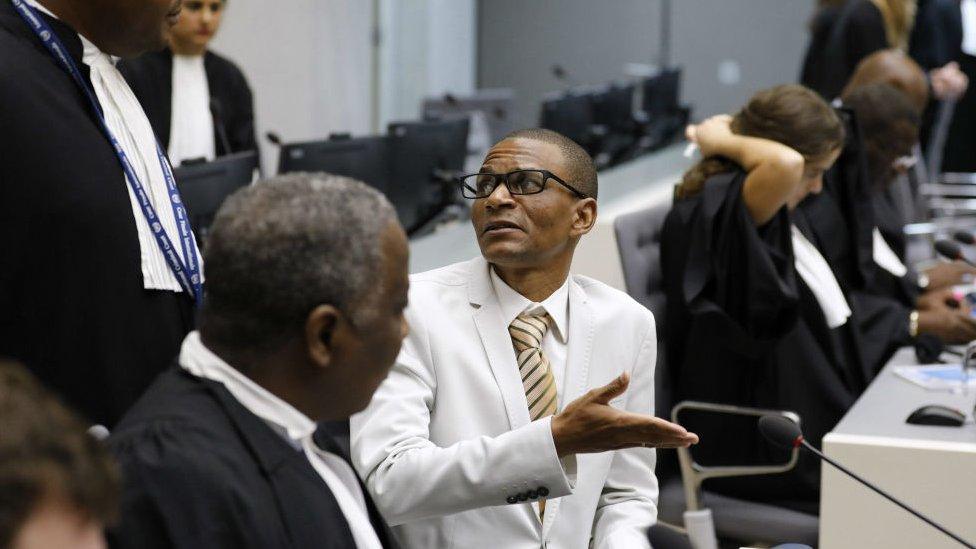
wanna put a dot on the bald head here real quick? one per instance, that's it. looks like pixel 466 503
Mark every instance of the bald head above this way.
pixel 894 68
pixel 579 166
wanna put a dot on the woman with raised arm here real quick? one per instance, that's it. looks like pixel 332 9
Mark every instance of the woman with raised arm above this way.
pixel 755 316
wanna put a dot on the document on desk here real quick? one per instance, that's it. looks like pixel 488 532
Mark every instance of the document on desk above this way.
pixel 938 377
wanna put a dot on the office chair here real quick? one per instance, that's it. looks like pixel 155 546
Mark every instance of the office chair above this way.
pixel 704 518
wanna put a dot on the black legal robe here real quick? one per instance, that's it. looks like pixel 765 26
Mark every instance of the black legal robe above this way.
pixel 840 37
pixel 151 78
pixel 742 328
pixel 841 220
pixel 200 471
pixel 936 40
pixel 72 303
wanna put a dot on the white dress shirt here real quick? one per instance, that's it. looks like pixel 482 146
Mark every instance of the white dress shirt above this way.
pixel 191 128
pixel 555 340
pixel 295 427
pixel 128 123
pixel 968 9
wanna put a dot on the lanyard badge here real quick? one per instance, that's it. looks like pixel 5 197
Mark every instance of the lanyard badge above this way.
pixel 188 274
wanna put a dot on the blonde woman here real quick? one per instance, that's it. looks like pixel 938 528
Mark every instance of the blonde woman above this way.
pixel 843 32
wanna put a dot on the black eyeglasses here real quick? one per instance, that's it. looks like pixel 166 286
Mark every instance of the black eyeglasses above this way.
pixel 481 185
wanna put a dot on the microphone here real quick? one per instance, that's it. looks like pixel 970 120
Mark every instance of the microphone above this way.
pixel 274 138
pixel 950 250
pixel 217 112
pixel 561 74
pixel 965 237
pixel 786 434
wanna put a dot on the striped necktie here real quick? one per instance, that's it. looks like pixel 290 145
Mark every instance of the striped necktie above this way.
pixel 527 332
pixel 538 382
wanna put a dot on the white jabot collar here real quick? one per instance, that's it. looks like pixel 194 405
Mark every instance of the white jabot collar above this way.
pixel 968 9
pixel 885 257
pixel 816 273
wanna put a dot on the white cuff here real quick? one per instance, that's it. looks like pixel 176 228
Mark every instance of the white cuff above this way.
pixel 542 467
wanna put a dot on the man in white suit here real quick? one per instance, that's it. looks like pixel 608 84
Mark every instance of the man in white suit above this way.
pixel 516 414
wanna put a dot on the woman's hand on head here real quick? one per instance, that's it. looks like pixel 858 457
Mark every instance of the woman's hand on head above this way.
pixel 710 133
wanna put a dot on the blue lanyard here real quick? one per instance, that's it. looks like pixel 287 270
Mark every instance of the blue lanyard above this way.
pixel 189 275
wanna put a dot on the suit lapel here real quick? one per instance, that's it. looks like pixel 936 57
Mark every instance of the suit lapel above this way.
pixel 578 352
pixel 497 343
pixel 580 343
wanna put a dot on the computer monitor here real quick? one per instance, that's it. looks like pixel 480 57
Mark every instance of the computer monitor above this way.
pixel 570 114
pixel 613 107
pixel 497 105
pixel 424 156
pixel 204 186
pixel 662 92
pixel 362 158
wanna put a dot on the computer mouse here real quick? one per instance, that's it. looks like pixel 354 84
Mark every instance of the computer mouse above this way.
pixel 936 414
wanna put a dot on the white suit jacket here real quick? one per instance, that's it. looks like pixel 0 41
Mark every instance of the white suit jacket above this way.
pixel 446 442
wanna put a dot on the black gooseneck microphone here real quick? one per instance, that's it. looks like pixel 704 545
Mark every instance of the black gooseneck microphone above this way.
pixel 274 138
pixel 786 434
pixel 217 113
pixel 951 250
pixel 965 237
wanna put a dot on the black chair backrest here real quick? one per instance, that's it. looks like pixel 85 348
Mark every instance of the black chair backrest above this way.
pixel 639 243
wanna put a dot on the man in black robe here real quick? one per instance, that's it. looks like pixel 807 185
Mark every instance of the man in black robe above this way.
pixel 881 106
pixel 937 41
pixel 73 305
pixel 307 284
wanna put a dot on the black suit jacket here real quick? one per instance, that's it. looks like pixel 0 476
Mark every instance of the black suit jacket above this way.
pixel 937 34
pixel 72 303
pixel 151 78
pixel 201 471
pixel 840 38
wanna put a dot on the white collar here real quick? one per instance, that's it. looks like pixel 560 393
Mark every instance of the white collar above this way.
pixel 820 279
pixel 513 303
pixel 200 361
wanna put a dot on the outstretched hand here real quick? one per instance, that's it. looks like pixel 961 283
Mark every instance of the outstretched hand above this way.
pixel 590 425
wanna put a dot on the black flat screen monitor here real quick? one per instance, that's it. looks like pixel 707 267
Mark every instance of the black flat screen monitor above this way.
pixel 662 92
pixel 614 107
pixel 570 114
pixel 362 158
pixel 204 186
pixel 421 153
pixel 497 105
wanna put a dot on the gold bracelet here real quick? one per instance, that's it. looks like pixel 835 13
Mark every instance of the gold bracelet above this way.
pixel 913 323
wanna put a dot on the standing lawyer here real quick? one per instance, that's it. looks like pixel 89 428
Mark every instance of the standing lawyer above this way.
pixel 98 276
pixel 199 103
pixel 517 410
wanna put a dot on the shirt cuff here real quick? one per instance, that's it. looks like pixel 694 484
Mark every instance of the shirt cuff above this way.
pixel 566 464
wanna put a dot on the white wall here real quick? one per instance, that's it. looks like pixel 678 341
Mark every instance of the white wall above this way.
pixel 427 47
pixel 309 63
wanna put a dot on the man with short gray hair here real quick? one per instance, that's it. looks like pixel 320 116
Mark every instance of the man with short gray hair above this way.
pixel 302 319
